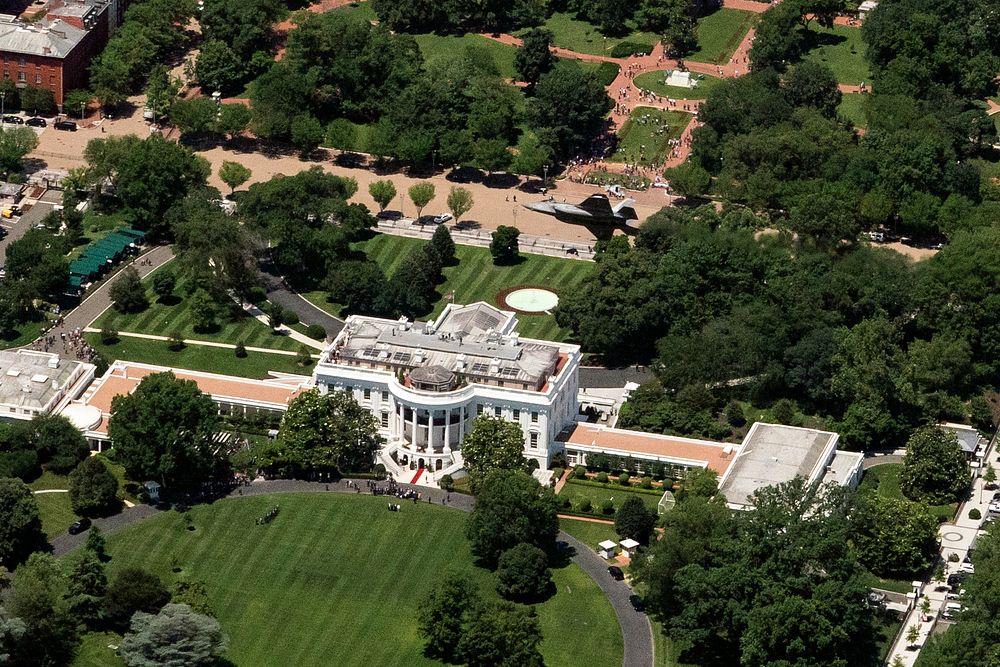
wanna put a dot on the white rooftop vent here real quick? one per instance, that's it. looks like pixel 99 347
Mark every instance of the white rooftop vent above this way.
pixel 515 338
pixel 39 377
pixel 54 361
pixel 13 372
pixel 461 357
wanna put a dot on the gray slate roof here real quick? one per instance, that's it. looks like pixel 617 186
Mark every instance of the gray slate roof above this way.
pixel 54 39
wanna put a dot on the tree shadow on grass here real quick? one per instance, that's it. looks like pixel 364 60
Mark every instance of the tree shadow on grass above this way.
pixel 814 40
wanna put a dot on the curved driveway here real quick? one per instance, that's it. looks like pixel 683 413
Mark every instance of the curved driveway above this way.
pixel 636 630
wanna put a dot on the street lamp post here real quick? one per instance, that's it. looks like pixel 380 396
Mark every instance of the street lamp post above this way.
pixel 83 109
pixel 545 177
pixel 3 98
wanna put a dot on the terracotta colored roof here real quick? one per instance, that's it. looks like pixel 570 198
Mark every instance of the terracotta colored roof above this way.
pixel 651 444
pixel 124 378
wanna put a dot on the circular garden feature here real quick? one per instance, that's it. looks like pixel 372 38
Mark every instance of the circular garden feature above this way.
pixel 528 299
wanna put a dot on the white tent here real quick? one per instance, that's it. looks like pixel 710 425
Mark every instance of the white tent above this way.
pixel 629 546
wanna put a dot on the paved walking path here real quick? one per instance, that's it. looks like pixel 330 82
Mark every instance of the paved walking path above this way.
pixel 98 301
pixel 635 627
pixel 587 519
pixel 41 491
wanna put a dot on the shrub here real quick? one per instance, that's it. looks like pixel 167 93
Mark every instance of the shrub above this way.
pixel 316 332
pixel 256 295
pixel 607 507
pixel 580 472
pixel 953 558
pixel 646 483
pixel 289 317
pixel 567 503
pixel 557 473
pixel 109 335
pixel 602 477
pixel 586 505
pixel 176 342
pixel 627 48
pixel 93 490
pixel 241 350
pixel 734 414
pixel 447 483
pixel 624 478
pixel 975 514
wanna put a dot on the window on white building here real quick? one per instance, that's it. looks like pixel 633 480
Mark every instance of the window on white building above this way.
pixel 479 410
pixel 385 396
pixel 368 394
pixel 385 420
pixel 534 417
pixel 349 389
pixel 496 412
pixel 533 439
pixel 517 414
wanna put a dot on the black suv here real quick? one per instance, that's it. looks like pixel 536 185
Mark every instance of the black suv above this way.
pixel 16 120
pixel 67 125
pixel 616 573
pixel 79 526
pixel 36 122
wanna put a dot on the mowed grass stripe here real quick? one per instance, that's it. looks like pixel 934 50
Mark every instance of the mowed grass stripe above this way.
pixel 335 579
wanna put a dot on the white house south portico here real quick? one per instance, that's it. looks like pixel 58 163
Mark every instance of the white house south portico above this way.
pixel 427 383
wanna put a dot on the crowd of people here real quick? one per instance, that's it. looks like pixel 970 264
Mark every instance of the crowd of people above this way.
pixel 70 343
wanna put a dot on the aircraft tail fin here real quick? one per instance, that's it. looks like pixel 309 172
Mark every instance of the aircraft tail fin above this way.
pixel 624 210
pixel 597 205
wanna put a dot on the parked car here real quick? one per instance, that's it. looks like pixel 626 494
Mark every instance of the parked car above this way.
pixel 990 486
pixel 16 120
pixel 36 122
pixel 79 526
pixel 66 125
pixel 441 219
pixel 616 573
pixel 637 603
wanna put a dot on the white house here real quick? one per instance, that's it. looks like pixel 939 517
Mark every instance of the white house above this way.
pixel 426 382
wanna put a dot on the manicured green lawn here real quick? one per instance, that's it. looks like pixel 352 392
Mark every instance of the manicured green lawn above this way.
pixel 432 46
pixel 56 513
pixel 884 479
pixel 720 33
pixel 598 494
pixel 852 107
pixel 643 130
pixel 337 579
pixel 475 278
pixel 606 72
pixel 161 319
pixel 197 357
pixel 842 50
pixel 23 335
pixel 655 83
pixel 582 37
pixel 94 651
pixel 361 10
pixel 588 532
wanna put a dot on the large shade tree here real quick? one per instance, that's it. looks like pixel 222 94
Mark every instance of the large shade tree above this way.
pixel 511 509
pixel 493 444
pixel 163 431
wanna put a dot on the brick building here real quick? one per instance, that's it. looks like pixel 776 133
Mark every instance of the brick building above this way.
pixel 51 44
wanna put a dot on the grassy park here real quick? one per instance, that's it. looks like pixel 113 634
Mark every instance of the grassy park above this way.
pixel 197 357
pixel 589 532
pixel 475 278
pixel 582 37
pixel 164 318
pixel 432 46
pixel 720 33
pixel 655 82
pixel 842 50
pixel 645 136
pixel 852 107
pixel 339 562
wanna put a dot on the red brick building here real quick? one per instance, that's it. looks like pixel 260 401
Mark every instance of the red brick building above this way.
pixel 55 52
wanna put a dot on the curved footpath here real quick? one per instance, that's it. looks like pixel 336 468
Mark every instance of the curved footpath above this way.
pixel 636 630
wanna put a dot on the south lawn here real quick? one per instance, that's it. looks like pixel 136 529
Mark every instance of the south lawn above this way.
pixel 475 278
pixel 336 580
pixel 720 33
pixel 582 37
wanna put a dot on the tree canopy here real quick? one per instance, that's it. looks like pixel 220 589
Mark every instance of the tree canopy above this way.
pixel 511 509
pixel 934 468
pixel 493 444
pixel 163 431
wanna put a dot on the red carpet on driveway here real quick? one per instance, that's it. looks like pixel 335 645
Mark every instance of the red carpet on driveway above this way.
pixel 416 478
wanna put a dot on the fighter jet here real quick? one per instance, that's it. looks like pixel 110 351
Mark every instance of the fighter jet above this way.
pixel 593 209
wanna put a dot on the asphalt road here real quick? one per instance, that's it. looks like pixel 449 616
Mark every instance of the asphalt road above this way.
pixel 289 300
pixel 635 627
pixel 18 229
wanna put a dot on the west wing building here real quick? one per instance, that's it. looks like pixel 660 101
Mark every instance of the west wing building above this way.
pixel 427 382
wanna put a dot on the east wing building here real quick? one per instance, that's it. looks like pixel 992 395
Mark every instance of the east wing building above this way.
pixel 427 382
